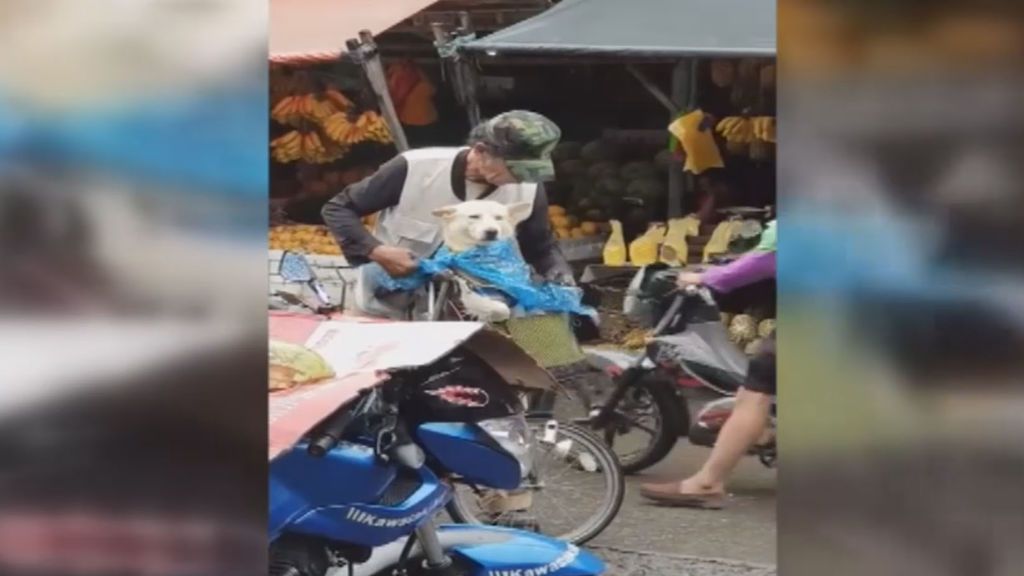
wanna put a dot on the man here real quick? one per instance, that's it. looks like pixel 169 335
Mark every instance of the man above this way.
pixel 747 424
pixel 507 159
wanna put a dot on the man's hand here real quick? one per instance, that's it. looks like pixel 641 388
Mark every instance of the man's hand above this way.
pixel 689 278
pixel 397 262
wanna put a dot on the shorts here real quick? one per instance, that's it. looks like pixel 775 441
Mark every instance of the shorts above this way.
pixel 761 370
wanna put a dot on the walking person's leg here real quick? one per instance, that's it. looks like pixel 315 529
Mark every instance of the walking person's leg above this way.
pixel 742 430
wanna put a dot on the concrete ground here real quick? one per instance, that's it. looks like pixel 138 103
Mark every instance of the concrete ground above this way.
pixel 743 531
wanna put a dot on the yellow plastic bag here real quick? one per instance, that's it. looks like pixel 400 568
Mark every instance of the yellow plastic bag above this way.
pixel 720 238
pixel 698 142
pixel 643 251
pixel 675 250
pixel 292 365
pixel 615 248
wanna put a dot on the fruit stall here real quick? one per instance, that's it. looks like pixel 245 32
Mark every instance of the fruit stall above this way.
pixel 329 128
pixel 612 87
pixel 614 76
pixel 668 116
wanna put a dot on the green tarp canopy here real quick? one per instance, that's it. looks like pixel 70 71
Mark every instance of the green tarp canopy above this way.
pixel 641 28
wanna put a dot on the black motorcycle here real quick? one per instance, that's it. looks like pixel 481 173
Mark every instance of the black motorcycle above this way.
pixel 688 341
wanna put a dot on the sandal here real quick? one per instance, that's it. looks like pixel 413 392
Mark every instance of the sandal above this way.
pixel 669 495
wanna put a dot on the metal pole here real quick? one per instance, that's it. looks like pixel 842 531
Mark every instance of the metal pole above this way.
pixel 467 69
pixel 653 88
pixel 440 40
pixel 470 78
pixel 366 54
pixel 462 72
pixel 683 96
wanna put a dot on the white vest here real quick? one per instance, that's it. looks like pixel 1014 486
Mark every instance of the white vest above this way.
pixel 410 224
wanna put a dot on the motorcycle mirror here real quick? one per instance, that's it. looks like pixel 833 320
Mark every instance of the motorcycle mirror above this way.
pixel 295 268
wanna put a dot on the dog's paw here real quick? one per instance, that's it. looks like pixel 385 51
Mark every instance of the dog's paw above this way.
pixel 485 309
pixel 500 313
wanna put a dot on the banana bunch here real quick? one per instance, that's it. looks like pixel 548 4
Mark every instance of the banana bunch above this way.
pixel 743 130
pixel 736 129
pixel 375 128
pixel 291 109
pixel 764 128
pixel 368 127
pixel 294 109
pixel 339 129
pixel 306 146
pixel 335 97
pixel 287 148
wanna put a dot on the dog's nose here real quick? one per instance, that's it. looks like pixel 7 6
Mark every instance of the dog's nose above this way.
pixel 490 234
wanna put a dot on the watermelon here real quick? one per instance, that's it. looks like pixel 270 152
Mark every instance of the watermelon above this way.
pixel 665 159
pixel 638 170
pixel 647 189
pixel 581 203
pixel 566 151
pixel 599 151
pixel 581 197
pixel 603 170
pixel 570 169
pixel 635 221
pixel 610 186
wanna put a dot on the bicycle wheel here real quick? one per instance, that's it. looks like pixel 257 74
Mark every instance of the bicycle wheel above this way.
pixel 573 493
pixel 646 425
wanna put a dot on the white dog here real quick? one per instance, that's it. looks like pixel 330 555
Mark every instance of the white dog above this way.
pixel 474 223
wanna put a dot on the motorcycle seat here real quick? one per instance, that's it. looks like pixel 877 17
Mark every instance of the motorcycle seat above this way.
pixel 706 351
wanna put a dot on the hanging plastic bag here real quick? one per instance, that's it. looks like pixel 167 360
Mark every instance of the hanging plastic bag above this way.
pixel 694 131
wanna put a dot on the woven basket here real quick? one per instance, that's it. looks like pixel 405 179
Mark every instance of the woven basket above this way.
pixel 548 338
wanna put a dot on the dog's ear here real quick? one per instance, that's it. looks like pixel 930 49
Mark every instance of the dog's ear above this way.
pixel 446 213
pixel 519 211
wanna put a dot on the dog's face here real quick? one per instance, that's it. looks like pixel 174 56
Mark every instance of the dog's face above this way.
pixel 480 221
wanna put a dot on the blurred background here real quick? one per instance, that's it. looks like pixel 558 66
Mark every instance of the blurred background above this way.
pixel 901 287
pixel 133 171
pixel 133 179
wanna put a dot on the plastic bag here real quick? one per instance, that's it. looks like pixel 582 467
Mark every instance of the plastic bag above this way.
pixel 292 365
pixel 498 265
pixel 695 135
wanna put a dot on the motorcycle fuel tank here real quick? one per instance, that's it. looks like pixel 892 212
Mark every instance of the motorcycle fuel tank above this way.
pixel 466 450
pixel 350 496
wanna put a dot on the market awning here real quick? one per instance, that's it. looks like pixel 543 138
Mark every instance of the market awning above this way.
pixel 309 30
pixel 642 28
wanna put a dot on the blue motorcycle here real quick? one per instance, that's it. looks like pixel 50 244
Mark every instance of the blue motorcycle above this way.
pixel 359 493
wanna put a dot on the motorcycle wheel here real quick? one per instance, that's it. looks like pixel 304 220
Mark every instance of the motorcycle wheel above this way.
pixel 648 424
pixel 563 470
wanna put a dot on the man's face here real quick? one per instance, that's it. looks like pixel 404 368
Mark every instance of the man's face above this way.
pixel 492 169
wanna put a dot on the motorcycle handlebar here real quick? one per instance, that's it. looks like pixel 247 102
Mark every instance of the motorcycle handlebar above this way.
pixel 331 434
pixel 673 309
pixel 679 298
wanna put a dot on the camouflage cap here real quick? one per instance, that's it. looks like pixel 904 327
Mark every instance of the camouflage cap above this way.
pixel 524 140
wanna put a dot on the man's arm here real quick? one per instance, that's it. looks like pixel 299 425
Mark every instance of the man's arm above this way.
pixel 538 244
pixel 343 214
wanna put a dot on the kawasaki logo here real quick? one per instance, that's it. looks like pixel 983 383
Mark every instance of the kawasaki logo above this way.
pixel 374 521
pixel 562 561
